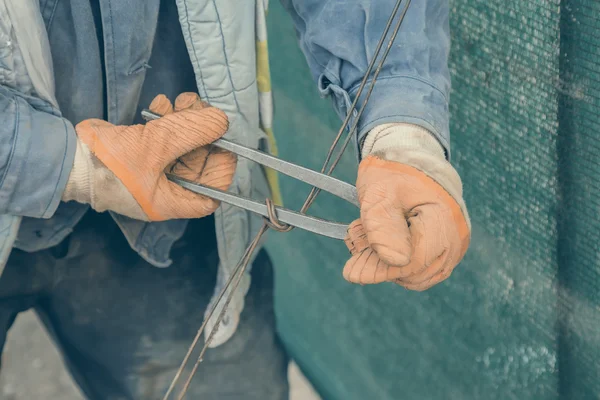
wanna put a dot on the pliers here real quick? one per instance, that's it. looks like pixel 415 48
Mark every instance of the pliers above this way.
pixel 316 179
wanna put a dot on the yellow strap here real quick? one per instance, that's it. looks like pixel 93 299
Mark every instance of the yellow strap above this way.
pixel 272 175
pixel 264 87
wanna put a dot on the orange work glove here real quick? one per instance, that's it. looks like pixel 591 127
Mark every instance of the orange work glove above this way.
pixel 414 227
pixel 122 168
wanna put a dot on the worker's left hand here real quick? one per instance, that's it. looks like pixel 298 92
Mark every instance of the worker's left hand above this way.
pixel 205 165
pixel 414 227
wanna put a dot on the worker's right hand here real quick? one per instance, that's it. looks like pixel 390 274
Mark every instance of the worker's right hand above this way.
pixel 122 168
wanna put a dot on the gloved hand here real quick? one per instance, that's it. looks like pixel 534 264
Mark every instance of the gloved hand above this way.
pixel 122 168
pixel 414 227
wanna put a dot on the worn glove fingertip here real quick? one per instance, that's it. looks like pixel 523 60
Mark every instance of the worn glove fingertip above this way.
pixel 186 100
pixel 161 105
pixel 366 268
pixel 356 238
pixel 350 265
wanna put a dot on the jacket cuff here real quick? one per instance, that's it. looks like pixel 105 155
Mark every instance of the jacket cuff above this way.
pixel 38 147
pixel 394 99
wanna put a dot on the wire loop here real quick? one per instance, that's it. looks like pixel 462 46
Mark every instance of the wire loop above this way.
pixel 272 221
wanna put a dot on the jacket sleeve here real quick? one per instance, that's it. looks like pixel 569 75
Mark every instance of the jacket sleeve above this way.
pixel 339 37
pixel 37 149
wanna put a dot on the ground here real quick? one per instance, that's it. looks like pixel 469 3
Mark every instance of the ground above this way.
pixel 33 369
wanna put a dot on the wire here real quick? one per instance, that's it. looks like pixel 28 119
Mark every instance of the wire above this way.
pixel 241 267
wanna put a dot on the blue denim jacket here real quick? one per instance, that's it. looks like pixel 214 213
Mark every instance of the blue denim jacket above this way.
pixel 81 92
pixel 111 72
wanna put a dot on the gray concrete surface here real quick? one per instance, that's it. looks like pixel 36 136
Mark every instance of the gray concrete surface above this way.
pixel 33 369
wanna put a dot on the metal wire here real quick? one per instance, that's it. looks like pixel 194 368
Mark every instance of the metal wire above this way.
pixel 239 273
pixel 273 221
pixel 240 268
pixel 315 191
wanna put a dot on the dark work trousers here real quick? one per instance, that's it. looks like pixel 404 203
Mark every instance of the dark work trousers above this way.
pixel 123 326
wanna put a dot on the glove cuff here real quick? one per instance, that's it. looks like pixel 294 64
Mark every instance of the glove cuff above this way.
pixel 415 146
pixel 79 186
pixel 90 182
pixel 388 137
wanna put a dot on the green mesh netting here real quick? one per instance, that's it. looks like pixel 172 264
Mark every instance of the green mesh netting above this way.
pixel 520 318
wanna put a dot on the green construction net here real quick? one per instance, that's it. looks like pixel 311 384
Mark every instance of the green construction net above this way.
pixel 520 318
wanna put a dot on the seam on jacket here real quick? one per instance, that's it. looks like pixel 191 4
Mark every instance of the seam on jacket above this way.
pixel 51 19
pixel 237 105
pixel 234 91
pixel 187 20
pixel 60 229
pixel 139 240
pixel 62 167
pixel 114 65
pixel 43 8
pixel 6 228
pixel 15 137
pixel 426 82
pixel 325 69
